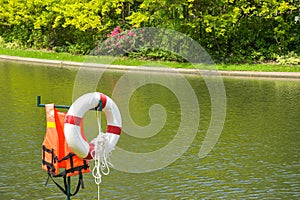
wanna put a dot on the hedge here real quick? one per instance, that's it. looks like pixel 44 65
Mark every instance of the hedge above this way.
pixel 230 30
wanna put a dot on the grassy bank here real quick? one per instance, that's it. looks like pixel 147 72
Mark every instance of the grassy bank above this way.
pixel 136 62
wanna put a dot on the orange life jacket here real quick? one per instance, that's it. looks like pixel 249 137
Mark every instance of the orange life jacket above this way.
pixel 57 158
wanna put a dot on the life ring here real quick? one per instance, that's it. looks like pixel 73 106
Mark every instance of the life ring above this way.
pixel 75 114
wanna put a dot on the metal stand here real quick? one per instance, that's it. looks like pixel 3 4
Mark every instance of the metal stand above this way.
pixel 68 188
pixel 39 104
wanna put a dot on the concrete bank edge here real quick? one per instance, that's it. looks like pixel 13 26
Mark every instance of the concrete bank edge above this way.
pixel 249 74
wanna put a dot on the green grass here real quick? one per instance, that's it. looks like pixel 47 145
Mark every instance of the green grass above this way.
pixel 42 54
pixel 136 62
pixel 260 67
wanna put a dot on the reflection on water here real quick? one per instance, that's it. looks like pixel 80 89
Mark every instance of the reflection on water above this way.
pixel 257 156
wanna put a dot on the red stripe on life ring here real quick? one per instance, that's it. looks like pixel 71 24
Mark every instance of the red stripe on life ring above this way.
pixel 73 120
pixel 113 129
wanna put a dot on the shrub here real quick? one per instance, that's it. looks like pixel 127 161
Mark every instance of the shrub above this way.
pixel 231 31
pixel 290 59
pixel 119 42
pixel 2 42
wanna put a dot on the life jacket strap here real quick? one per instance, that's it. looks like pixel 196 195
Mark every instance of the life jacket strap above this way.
pixel 69 158
pixel 51 171
pixel 65 188
pixel 50 166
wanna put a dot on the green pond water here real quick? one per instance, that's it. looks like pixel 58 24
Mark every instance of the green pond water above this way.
pixel 257 155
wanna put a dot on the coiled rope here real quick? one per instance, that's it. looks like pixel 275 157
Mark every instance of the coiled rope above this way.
pixel 101 155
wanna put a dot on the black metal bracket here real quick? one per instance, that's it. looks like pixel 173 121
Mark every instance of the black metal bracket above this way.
pixel 39 104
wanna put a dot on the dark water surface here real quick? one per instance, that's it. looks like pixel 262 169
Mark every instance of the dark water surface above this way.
pixel 256 157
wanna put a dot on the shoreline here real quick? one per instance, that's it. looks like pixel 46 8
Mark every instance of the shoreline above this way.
pixel 233 74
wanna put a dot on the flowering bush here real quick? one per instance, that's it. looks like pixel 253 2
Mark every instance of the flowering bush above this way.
pixel 133 43
pixel 120 42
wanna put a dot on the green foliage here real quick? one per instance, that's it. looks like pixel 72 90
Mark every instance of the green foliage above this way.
pixel 155 54
pixel 290 59
pixel 2 42
pixel 231 31
pixel 70 25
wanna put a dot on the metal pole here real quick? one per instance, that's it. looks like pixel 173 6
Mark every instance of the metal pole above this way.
pixel 69 188
pixel 39 104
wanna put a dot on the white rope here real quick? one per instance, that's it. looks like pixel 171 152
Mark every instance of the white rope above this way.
pixel 101 155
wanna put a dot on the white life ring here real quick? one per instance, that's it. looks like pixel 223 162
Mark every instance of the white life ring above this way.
pixel 75 115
